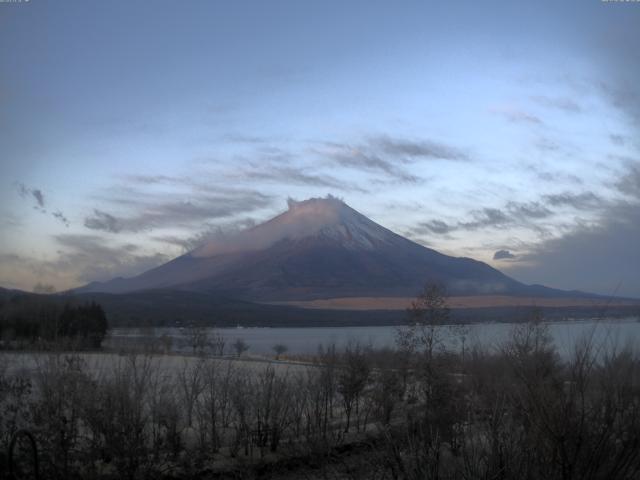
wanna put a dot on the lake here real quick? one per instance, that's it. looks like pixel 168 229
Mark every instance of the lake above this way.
pixel 605 332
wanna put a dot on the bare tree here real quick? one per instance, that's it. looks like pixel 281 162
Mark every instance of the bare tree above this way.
pixel 214 403
pixel 272 407
pixel 15 392
pixel 218 343
pixel 240 346
pixel 190 380
pixel 119 416
pixel 198 339
pixel 243 403
pixel 62 383
pixel 279 349
pixel 165 424
pixel 386 393
pixel 424 337
pixel 352 379
pixel 426 315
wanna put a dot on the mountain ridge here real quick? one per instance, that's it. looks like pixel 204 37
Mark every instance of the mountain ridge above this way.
pixel 320 248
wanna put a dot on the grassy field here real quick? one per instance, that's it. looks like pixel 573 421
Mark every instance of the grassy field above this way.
pixel 484 301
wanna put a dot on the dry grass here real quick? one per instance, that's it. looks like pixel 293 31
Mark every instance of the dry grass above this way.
pixel 484 301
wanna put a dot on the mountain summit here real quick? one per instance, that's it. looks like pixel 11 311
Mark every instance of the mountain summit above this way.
pixel 321 218
pixel 319 248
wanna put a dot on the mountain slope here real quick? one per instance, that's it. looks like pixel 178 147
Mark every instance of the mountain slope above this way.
pixel 319 248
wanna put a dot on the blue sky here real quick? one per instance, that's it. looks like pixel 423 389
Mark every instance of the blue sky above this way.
pixel 132 131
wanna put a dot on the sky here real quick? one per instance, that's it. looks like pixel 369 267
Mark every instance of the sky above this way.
pixel 132 132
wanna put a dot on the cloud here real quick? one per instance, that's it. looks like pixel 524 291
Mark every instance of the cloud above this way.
pixel 380 155
pixel 417 149
pixel 601 256
pixel 629 184
pixel 211 233
pixel 618 139
pixel 296 176
pixel 503 255
pixel 620 58
pixel 521 213
pixel 186 243
pixel 554 176
pixel 392 157
pixel 578 201
pixel 515 115
pixel 561 103
pixel 355 157
pixel 486 217
pixel 513 212
pixel 624 97
pixel 547 145
pixel 91 258
pixel 155 211
pixel 596 258
pixel 37 195
pixel 245 139
pixel 79 259
pixel 58 215
pixel 10 220
pixel 102 221
pixel 434 226
pixel 528 210
pixel 34 193
pixel 153 179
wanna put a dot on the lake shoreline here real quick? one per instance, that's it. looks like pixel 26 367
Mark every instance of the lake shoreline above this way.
pixel 306 340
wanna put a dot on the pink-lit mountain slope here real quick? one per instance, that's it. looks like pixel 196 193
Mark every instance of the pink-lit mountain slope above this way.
pixel 320 248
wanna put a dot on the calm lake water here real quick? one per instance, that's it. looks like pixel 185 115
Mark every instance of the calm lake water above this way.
pixel 607 333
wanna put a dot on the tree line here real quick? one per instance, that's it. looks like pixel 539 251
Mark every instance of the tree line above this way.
pixel 30 320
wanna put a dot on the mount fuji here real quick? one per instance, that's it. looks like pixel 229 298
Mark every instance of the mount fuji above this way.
pixel 320 249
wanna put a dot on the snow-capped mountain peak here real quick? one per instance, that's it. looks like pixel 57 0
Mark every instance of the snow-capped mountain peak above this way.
pixel 324 218
pixel 318 248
